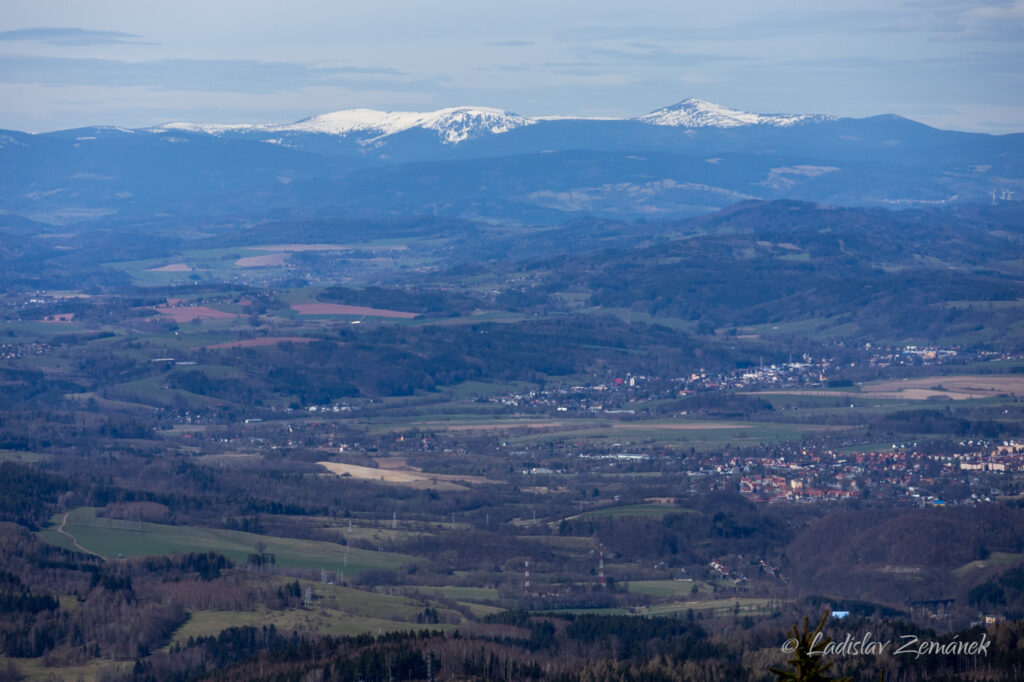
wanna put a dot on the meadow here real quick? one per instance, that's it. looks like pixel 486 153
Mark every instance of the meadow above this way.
pixel 113 538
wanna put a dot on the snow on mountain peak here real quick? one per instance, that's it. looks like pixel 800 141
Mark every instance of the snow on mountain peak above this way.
pixel 458 124
pixel 698 113
pixel 452 125
pixel 208 128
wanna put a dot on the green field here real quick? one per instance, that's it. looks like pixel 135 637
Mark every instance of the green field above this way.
pixel 460 593
pixel 471 389
pixel 22 456
pixel 667 588
pixel 717 607
pixel 335 610
pixel 207 623
pixel 651 510
pixel 38 669
pixel 994 559
pixel 690 433
pixel 137 539
pixel 566 542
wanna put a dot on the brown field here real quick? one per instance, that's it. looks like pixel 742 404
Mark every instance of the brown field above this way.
pixel 272 260
pixel 403 476
pixel 191 312
pixel 964 387
pixel 60 317
pixel 262 341
pixel 173 267
pixel 339 309
pixel 956 387
pixel 327 247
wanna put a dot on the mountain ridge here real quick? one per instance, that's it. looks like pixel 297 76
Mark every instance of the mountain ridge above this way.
pixel 478 163
pixel 458 124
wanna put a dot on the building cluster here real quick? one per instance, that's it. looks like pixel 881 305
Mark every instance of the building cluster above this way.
pixel 720 570
pixel 12 351
pixel 911 355
pixel 902 470
pixel 614 396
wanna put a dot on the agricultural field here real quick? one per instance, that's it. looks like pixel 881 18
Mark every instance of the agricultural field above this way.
pixel 669 588
pixel 428 435
pixel 334 610
pixel 641 510
pixel 111 538
pixel 359 311
pixel 402 475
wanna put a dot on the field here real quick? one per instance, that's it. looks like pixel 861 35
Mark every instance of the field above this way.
pixel 110 538
pixel 38 669
pixel 188 313
pixel 691 433
pixel 336 610
pixel 468 593
pixel 995 559
pixel 262 341
pixel 675 426
pixel 173 267
pixel 272 260
pixel 339 309
pixel 22 456
pixel 320 621
pixel 956 387
pixel 466 422
pixel 649 510
pixel 717 607
pixel 331 247
pixel 404 475
pixel 470 389
pixel 667 588
pixel 949 387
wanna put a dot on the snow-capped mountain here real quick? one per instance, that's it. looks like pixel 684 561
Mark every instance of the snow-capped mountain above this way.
pixel 452 125
pixel 495 165
pixel 459 124
pixel 698 113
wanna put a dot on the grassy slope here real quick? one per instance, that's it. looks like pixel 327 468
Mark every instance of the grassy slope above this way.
pixel 138 539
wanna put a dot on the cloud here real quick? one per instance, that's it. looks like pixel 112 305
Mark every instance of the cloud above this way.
pixel 247 76
pixel 510 43
pixel 71 36
pixel 598 32
pixel 656 56
pixel 963 19
pixel 1007 21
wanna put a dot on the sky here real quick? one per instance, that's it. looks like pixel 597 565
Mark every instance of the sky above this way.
pixel 68 63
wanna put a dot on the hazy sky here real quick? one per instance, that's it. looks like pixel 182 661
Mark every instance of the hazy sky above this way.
pixel 68 63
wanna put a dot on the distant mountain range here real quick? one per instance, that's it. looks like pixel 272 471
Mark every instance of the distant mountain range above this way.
pixel 685 159
pixel 458 124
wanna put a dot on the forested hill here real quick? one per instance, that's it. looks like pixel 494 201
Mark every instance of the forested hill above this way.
pixel 938 274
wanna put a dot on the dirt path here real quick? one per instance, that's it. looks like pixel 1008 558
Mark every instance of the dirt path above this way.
pixel 61 530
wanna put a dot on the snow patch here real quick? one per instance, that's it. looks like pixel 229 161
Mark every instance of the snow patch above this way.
pixel 698 113
pixel 216 129
pixel 458 124
pixel 452 125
